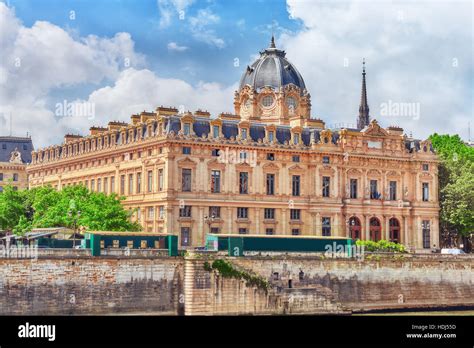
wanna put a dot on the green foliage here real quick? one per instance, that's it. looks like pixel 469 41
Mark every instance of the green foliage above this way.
pixel 74 206
pixel 456 179
pixel 12 207
pixel 227 270
pixel 381 245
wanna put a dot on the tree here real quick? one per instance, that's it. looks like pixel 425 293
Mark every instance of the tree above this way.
pixel 45 207
pixel 11 208
pixel 456 193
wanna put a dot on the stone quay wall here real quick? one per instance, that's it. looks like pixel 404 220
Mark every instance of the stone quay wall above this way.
pixel 300 284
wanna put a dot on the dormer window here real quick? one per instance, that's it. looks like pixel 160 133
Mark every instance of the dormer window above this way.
pixel 187 128
pixel 215 131
pixel 296 138
pixel 271 136
pixel 243 133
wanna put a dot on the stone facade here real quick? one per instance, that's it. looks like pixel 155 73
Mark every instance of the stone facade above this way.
pixel 15 154
pixel 267 169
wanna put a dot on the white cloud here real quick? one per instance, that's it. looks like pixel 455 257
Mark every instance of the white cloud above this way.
pixel 51 59
pixel 199 26
pixel 172 8
pixel 39 59
pixel 173 46
pixel 409 48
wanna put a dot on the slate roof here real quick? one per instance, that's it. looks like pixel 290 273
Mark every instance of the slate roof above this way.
pixel 9 144
pixel 230 129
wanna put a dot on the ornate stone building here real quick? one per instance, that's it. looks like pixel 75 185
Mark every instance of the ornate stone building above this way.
pixel 15 154
pixel 268 168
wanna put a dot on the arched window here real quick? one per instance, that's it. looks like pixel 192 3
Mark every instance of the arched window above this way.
pixel 354 228
pixel 375 229
pixel 394 229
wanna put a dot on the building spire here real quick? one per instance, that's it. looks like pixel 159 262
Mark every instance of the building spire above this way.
pixel 363 119
pixel 272 42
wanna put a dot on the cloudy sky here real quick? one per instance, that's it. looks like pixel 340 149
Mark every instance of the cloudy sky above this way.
pixel 124 56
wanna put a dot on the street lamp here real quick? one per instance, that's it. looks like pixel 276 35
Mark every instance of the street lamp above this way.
pixel 75 217
pixel 209 220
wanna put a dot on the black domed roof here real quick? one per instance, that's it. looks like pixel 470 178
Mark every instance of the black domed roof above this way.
pixel 271 69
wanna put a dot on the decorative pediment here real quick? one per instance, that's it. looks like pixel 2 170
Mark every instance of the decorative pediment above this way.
pixel 425 146
pixel 188 118
pixel 374 129
pixel 296 168
pixel 354 172
pixel 374 172
pixel 270 167
pixel 393 173
pixel 186 162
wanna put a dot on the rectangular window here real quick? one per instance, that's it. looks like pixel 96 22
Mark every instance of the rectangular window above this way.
pixel 426 167
pixel 295 185
pixel 15 176
pixel 426 192
pixel 215 230
pixel 269 213
pixel 269 231
pixel 270 156
pixel 295 214
pixel 242 213
pixel 185 211
pixel 295 231
pixel 215 152
pixel 185 236
pixel 353 188
pixel 92 185
pixel 270 184
pixel 215 131
pixel 151 213
pixel 326 186
pixel 186 180
pixel 296 158
pixel 425 226
pixel 243 133
pixel 161 212
pixel 130 184
pixel 186 150
pixel 130 244
pixel 296 138
pixel 1 176
pixel 149 184
pixel 393 191
pixel 115 243
pixel 106 183
pixel 143 244
pixel 139 182
pixel 160 179
pixel 99 185
pixel 112 184
pixel 270 136
pixel 326 224
pixel 187 129
pixel 325 159
pixel 243 230
pixel 243 182
pixel 373 190
pixel 243 155
pixel 122 184
pixel 215 212
pixel 215 181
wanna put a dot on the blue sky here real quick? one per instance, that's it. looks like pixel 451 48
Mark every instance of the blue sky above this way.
pixel 245 26
pixel 124 56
